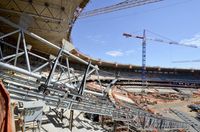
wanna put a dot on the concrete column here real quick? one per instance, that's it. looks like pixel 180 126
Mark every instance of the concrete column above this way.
pixel 71 119
pixel 114 126
pixel 102 121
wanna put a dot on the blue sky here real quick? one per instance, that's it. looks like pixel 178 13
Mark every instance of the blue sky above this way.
pixel 101 36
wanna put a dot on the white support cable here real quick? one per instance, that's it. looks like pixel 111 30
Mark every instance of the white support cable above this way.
pixel 169 41
pixel 172 42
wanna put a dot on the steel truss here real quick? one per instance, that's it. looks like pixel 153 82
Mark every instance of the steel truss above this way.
pixel 63 87
pixel 187 118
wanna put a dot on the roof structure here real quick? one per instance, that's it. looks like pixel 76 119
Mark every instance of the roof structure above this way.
pixel 52 20
pixel 43 26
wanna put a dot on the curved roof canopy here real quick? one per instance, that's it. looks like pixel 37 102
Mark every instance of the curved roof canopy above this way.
pixel 50 19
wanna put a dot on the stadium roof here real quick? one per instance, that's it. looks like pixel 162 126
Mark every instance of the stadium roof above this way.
pixel 52 20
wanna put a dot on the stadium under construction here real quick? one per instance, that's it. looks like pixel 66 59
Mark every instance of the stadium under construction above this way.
pixel 48 85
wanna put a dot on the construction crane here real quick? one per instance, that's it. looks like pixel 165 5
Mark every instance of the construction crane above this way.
pixel 120 6
pixel 186 61
pixel 144 39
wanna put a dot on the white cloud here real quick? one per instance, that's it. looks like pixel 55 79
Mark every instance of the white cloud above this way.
pixel 115 53
pixel 195 40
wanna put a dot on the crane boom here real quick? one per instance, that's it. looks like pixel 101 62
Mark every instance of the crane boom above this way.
pixel 160 40
pixel 186 61
pixel 120 6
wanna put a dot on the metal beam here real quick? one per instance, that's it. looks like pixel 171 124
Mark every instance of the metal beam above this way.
pixel 35 55
pixel 26 52
pixel 17 49
pixel 68 69
pixel 83 82
pixel 20 70
pixel 11 56
pixel 71 120
pixel 14 58
pixel 53 68
pixel 40 67
pixel 8 34
pixel 10 45
pixel 1 53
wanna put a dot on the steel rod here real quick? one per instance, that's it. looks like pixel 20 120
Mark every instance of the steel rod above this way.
pixel 35 55
pixel 68 69
pixel 17 49
pixel 11 56
pixel 26 52
pixel 8 34
pixel 40 67
pixel 1 53
pixel 20 70
pixel 54 68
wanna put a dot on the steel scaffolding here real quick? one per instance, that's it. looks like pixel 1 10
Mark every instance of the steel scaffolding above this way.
pixel 68 90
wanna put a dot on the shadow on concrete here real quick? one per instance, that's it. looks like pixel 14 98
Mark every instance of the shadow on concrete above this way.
pixel 54 120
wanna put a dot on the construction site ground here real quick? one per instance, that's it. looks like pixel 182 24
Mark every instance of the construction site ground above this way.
pixel 80 124
pixel 182 106
pixel 51 123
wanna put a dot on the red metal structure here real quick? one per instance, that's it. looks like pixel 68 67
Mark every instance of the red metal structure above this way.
pixel 5 114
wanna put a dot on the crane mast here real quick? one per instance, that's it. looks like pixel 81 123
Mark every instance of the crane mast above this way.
pixel 144 59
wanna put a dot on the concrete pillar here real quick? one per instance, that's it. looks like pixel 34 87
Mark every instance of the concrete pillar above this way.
pixel 102 121
pixel 71 119
pixel 12 115
pixel 114 126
